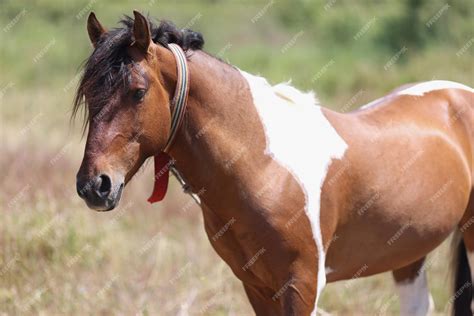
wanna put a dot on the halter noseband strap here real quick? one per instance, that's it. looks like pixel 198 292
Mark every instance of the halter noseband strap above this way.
pixel 163 162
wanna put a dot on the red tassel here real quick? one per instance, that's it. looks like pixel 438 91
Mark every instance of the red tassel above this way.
pixel 162 169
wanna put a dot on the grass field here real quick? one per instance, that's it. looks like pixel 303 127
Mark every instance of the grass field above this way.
pixel 58 257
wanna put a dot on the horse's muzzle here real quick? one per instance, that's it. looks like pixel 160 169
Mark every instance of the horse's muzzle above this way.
pixel 99 192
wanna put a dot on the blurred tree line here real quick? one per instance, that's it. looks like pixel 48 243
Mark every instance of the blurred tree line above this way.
pixel 411 23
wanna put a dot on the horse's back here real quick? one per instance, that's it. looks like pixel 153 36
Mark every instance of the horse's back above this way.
pixel 442 107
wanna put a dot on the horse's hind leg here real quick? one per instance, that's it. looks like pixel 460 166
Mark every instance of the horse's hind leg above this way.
pixel 413 292
pixel 465 260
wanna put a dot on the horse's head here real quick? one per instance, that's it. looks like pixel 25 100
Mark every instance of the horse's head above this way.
pixel 127 105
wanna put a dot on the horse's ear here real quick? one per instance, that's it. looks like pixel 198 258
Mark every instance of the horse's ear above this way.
pixel 94 28
pixel 141 32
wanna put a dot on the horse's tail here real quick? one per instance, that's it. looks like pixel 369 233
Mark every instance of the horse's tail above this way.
pixel 462 296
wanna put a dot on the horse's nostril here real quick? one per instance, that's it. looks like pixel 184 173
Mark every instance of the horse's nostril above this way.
pixel 105 184
pixel 80 189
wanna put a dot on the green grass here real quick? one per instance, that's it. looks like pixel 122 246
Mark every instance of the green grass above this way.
pixel 58 27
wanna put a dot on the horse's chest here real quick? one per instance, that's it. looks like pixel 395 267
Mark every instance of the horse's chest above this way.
pixel 243 244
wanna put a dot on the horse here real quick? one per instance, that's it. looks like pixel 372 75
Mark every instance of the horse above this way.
pixel 293 195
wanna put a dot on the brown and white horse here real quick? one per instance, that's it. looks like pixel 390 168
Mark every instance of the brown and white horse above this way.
pixel 293 195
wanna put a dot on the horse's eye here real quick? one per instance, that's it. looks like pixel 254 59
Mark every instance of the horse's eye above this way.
pixel 138 95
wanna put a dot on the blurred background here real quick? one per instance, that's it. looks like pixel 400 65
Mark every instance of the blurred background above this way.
pixel 58 257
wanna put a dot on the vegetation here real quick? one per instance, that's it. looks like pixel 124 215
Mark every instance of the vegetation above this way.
pixel 56 257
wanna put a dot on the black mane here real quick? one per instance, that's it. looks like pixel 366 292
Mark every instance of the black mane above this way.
pixel 106 71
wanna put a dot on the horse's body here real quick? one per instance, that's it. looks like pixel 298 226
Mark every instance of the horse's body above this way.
pixel 409 170
pixel 398 186
pixel 296 195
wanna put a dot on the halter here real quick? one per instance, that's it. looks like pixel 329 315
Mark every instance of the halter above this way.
pixel 163 162
pixel 180 94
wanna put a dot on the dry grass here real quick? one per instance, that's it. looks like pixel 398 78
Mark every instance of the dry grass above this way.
pixel 59 257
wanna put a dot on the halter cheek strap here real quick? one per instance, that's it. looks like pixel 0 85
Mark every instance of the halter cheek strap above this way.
pixel 163 162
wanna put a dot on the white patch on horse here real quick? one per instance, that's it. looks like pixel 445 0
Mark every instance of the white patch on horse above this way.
pixel 424 87
pixel 300 138
pixel 415 297
pixel 329 270
pixel 419 90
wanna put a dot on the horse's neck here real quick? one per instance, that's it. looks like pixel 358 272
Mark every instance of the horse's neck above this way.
pixel 212 144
